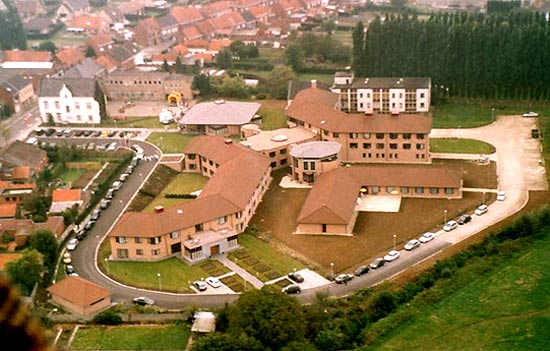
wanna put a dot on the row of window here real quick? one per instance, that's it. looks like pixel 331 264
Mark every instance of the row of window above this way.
pixel 68 109
pixel 416 190
pixel 135 82
pixel 406 136
pixel 274 153
pixel 392 146
pixel 79 118
pixel 390 155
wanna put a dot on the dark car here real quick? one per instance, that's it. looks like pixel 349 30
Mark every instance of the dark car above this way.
pixel 69 269
pixel 535 133
pixel 112 133
pixel 80 235
pixel 292 289
pixel 39 132
pixel 377 263
pixel 87 133
pixel 362 270
pixel 49 132
pixel 79 133
pixel 96 134
pixel 296 277
pixel 464 219
pixel 122 134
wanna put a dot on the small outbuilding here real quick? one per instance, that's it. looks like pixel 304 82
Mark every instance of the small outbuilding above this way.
pixel 204 322
pixel 80 296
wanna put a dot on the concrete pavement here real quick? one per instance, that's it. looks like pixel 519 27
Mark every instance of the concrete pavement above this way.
pixel 257 283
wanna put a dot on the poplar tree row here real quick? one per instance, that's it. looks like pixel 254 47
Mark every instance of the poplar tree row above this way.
pixel 469 55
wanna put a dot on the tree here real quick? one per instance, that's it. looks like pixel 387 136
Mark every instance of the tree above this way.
pixel 328 25
pixel 227 342
pixel 277 82
pixel 12 35
pixel 165 66
pixel 201 82
pixel 47 46
pixel 269 316
pixel 26 271
pixel 295 57
pixel 108 317
pixel 179 66
pixel 90 51
pixel 399 3
pixel 44 241
pixel 232 87
pixel 224 59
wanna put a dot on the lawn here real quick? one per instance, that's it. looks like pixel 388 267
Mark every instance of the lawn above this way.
pixel 136 122
pixel 273 118
pixel 71 175
pixel 161 177
pixel 170 143
pixel 136 337
pixel 499 307
pixel 262 259
pixel 175 275
pixel 325 78
pixel 460 146
pixel 183 183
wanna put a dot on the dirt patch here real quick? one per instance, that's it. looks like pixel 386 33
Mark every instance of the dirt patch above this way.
pixel 277 214
pixel 261 268
pixel 277 104
pixel 85 178
pixel 242 254
pixel 251 261
pixel 474 174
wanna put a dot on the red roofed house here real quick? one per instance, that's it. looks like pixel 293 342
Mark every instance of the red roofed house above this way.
pixel 207 225
pixel 191 33
pixel 216 9
pixel 148 32
pixel 80 296
pixel 20 229
pixel 203 46
pixel 69 57
pixel 227 23
pixel 8 210
pixel 27 59
pixel 100 43
pixel 63 199
pixel 261 13
pixel 88 24
pixel 186 15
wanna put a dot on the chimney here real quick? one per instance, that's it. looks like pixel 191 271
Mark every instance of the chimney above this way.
pixel 313 84
pixel 228 141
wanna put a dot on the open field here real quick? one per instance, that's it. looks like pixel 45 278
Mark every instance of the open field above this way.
pixel 277 214
pixel 503 306
pixel 262 260
pixel 182 183
pixel 143 337
pixel 175 275
pixel 272 118
pixel 71 175
pixel 170 143
pixel 461 146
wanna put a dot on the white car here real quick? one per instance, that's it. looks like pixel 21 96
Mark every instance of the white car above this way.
pixel 392 256
pixel 412 244
pixel 71 245
pixel 426 237
pixel 450 225
pixel 200 285
pixel 482 209
pixel 213 282
pixel 530 114
pixel 112 146
pixel 501 196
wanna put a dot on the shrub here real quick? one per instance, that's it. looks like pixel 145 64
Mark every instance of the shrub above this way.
pixel 108 317
pixel 180 196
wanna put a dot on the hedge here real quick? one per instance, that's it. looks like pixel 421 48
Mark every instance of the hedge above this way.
pixel 180 196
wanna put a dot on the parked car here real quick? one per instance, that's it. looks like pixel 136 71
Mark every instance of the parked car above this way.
pixel 32 141
pixel 71 244
pixel 95 215
pixel 361 270
pixel 426 237
pixel 535 133
pixel 91 146
pixel 87 133
pixel 129 170
pixel 117 184
pixel 213 282
pixel 343 278
pixel 296 277
pixel 112 146
pixel 292 289
pixel 530 114
pixel 80 234
pixel 96 134
pixel 501 196
pixel 110 194
pixel 464 219
pixel 69 269
pixel 377 263
pixel 58 133
pixel 482 209
pixel 104 203
pixel 79 133
pixel 123 177
pixel 67 258
pixel 134 162
pixel 67 132
pixel 450 225
pixel 112 133
pixel 392 256
pixel 88 225
pixel 39 132
pixel 412 244
pixel 144 301
pixel 200 285
pixel 49 132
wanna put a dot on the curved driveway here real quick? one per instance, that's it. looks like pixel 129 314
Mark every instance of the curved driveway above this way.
pixel 518 169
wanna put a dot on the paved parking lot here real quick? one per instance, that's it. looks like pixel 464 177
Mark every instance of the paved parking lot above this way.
pixel 379 203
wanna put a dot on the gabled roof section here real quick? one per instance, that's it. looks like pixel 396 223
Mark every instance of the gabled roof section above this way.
pixel 20 153
pixel 186 14
pixel 89 68
pixel 217 149
pixel 76 5
pixel 79 291
pixel 167 21
pixel 70 56
pixel 221 113
pixel 27 56
pixel 66 195
pixel 79 87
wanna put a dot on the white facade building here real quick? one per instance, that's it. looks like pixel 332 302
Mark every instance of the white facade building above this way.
pixel 69 100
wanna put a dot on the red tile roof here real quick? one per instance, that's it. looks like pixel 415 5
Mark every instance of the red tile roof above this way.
pixel 181 49
pixel 107 61
pixel 191 33
pixel 8 210
pixel 27 56
pixel 100 40
pixel 215 8
pixel 206 27
pixel 66 195
pixel 218 45
pixel 8 257
pixel 87 22
pixel 21 172
pixel 70 56
pixel 259 11
pixel 186 14
pixel 79 291
pixel 13 186
pixel 228 21
pixel 56 224
pixel 196 44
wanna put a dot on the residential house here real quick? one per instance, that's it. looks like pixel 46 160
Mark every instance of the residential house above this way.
pixel 21 154
pixel 380 138
pixel 169 28
pixel 27 59
pixel 186 15
pixel 70 100
pixel 80 296
pixel 89 68
pixel 310 159
pixel 276 144
pixel 69 57
pixel 123 55
pixel 148 32
pixel 204 46
pixel 16 92
pixel 208 225
pixel 63 199
pixel 20 229
pixel 72 8
pixel 100 43
pixel 8 210
pixel 206 28
pixel 220 117
pixel 190 33
pixel 382 95
pixel 29 9
pixel 260 13
pixel 88 24
pixel 216 9
pixel 15 192
pixel 112 15
pixel 331 205
pixel 15 174
pixel 40 27
pixel 225 24
pixel 143 85
pixel 134 9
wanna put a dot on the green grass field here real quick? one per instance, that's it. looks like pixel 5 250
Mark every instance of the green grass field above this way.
pixel 71 175
pixel 170 143
pixel 147 337
pixel 502 307
pixel 461 146
pixel 175 275
pixel 183 183
pixel 273 118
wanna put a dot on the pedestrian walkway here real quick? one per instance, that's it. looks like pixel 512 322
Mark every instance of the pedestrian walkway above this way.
pixel 257 283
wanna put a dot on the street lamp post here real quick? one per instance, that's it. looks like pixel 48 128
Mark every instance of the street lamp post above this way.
pixel 445 217
pixel 492 114
pixel 394 239
pixel 332 269
pixel 107 265
pixel 160 283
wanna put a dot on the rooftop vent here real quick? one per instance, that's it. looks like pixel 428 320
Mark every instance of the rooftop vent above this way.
pixel 323 122
pixel 159 209
pixel 219 102
pixel 228 141
pixel 279 138
pixel 179 211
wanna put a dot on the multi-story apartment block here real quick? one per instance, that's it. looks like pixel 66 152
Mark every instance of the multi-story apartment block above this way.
pixel 377 138
pixel 70 100
pixel 382 95
pixel 208 225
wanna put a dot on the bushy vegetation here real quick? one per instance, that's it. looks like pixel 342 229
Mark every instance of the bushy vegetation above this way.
pixel 108 317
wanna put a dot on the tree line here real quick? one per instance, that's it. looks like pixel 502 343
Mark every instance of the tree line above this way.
pixel 12 35
pixel 503 56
